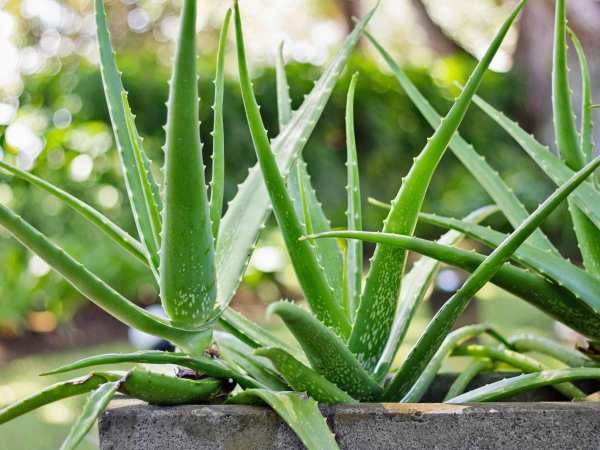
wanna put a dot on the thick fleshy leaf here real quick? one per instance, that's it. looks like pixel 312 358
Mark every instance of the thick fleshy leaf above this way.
pixel 354 249
pixel 549 297
pixel 235 243
pixel 94 406
pixel 375 314
pixel 518 361
pixel 188 287
pixel 558 351
pixel 452 340
pixel 217 181
pixel 58 391
pixel 580 283
pixel 166 390
pixel 487 177
pixel 414 288
pixel 445 318
pixel 315 285
pixel 114 92
pixel 326 352
pixel 238 354
pixel 301 414
pixel 304 379
pixel 96 290
pixel 93 216
pixel 461 382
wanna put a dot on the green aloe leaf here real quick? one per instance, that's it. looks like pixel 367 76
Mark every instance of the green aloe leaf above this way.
pixel 284 102
pixel 217 181
pixel 375 315
pixel 354 249
pixel 487 177
pixel 165 390
pixel 326 352
pixel 560 303
pixel 93 216
pixel 518 361
pixel 235 243
pixel 414 288
pixel 301 414
pixel 252 333
pixel 304 379
pixel 58 391
pixel 238 354
pixel 126 138
pixel 463 380
pixel 94 406
pixel 560 352
pixel 585 197
pixel 587 123
pixel 445 318
pixel 524 383
pixel 312 279
pixel 582 284
pixel 96 290
pixel 416 392
pixel 188 286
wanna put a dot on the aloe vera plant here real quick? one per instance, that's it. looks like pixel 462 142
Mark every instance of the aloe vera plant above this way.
pixel 347 343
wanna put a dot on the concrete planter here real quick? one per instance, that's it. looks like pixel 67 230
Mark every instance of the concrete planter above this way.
pixel 535 421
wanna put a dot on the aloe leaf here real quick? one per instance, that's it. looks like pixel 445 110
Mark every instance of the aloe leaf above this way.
pixel 58 391
pixel 463 380
pixel 187 269
pixel 237 353
pixel 284 102
pixel 354 249
pixel 326 352
pixel 252 333
pixel 97 290
pixel 165 390
pixel 414 288
pixel 94 406
pixel 126 141
pixel 93 216
pixel 312 279
pixel 301 414
pixel 585 197
pixel 524 383
pixel 235 243
pixel 487 177
pixel 442 322
pixel 582 284
pixel 519 361
pixel 549 297
pixel 217 181
pixel 587 123
pixel 375 314
pixel 304 379
pixel 427 376
pixel 560 352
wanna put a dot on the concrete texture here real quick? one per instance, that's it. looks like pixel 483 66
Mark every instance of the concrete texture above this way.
pixel 131 424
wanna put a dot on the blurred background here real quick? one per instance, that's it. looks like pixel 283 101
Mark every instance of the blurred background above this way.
pixel 54 122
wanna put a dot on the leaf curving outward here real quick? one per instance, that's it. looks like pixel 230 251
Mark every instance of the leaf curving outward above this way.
pixel 235 243
pixel 94 406
pixel 315 285
pixel 375 314
pixel 188 287
pixel 558 351
pixel 300 413
pixel 326 352
pixel 304 379
pixel 217 181
pixel 445 318
pixel 512 386
pixel 463 380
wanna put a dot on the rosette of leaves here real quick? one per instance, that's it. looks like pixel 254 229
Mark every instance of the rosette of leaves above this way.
pixel 348 340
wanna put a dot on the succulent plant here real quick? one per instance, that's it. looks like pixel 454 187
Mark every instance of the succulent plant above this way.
pixel 347 342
